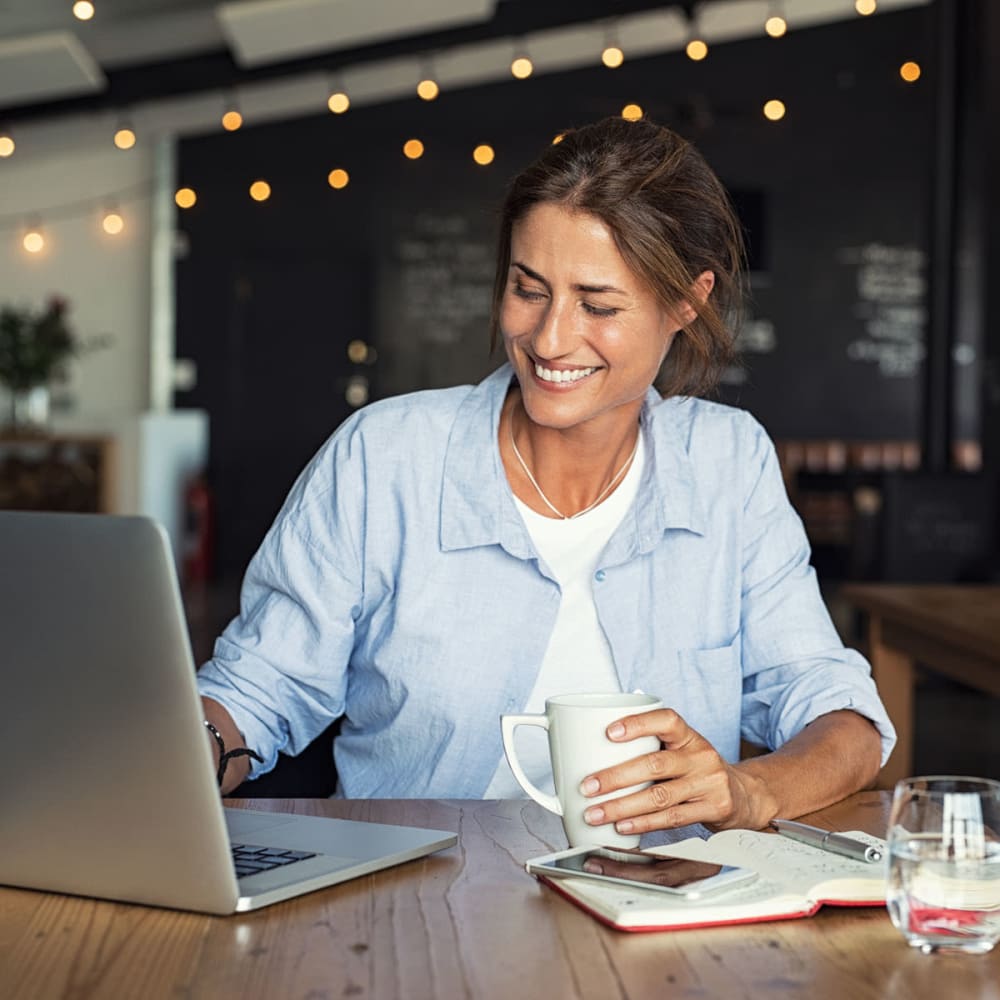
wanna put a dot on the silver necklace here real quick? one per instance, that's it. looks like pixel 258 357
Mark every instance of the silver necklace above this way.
pixel 548 503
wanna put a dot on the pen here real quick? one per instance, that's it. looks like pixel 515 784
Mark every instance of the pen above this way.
pixel 827 840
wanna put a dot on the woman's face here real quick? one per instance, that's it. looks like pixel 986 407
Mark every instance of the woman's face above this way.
pixel 586 336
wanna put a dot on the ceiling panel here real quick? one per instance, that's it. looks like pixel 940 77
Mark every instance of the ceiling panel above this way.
pixel 268 31
pixel 46 66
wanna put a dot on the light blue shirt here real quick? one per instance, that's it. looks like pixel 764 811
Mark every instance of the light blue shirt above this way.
pixel 399 587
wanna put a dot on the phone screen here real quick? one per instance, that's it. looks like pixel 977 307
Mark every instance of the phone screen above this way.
pixel 679 876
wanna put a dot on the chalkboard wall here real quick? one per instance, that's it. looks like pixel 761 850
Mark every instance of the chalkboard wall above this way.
pixel 835 198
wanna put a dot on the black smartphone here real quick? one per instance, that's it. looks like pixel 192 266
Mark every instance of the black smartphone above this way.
pixel 640 869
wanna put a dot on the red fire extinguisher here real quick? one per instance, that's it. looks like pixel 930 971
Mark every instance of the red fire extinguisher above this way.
pixel 199 531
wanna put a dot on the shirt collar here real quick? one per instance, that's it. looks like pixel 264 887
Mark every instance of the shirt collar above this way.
pixel 477 507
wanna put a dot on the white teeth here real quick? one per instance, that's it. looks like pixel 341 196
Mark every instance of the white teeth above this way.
pixel 561 375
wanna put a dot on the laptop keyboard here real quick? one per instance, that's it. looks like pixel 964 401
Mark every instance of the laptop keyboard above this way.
pixel 252 860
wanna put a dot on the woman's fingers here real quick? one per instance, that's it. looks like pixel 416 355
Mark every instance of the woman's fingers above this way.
pixel 688 782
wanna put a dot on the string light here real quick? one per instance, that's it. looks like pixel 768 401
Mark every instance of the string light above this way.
pixel 124 136
pixel 483 154
pixel 775 25
pixel 696 49
pixel 338 178
pixel 83 10
pixel 558 138
pixel 631 112
pixel 910 72
pixel 427 88
pixel 338 102
pixel 865 7
pixel 185 197
pixel 413 149
pixel 34 240
pixel 7 145
pixel 231 117
pixel 612 56
pixel 260 190
pixel 774 110
pixel 112 223
pixel 521 67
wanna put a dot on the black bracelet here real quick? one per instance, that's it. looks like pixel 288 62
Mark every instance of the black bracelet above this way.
pixel 225 756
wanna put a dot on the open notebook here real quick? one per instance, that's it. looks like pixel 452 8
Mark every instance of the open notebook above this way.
pixel 795 881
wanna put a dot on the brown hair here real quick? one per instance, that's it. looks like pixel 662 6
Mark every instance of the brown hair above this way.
pixel 671 219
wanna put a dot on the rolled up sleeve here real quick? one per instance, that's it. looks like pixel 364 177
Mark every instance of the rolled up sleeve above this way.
pixel 795 668
pixel 280 667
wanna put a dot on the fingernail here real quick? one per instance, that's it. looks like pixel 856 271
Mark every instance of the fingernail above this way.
pixel 594 815
pixel 624 826
pixel 589 785
pixel 616 731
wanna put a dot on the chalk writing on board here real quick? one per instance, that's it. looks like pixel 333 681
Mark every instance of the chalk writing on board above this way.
pixel 446 278
pixel 756 336
pixel 890 288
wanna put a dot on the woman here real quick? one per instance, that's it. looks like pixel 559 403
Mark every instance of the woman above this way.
pixel 449 556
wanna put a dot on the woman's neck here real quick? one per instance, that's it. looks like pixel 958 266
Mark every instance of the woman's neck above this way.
pixel 562 472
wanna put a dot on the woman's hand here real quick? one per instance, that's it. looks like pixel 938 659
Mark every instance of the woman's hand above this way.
pixel 691 782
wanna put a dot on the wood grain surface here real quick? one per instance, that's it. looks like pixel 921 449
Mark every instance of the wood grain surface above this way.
pixel 466 923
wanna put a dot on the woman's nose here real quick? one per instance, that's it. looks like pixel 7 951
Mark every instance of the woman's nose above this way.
pixel 554 336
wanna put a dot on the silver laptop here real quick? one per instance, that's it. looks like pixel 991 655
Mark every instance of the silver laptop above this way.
pixel 107 786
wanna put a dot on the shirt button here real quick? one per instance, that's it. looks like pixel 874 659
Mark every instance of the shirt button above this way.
pixel 599 575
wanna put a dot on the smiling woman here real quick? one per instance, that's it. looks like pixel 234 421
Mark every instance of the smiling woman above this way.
pixel 450 556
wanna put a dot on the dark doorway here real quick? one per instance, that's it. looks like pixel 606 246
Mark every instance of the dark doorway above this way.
pixel 281 388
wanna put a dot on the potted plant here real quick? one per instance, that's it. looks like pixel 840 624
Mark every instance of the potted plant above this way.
pixel 35 346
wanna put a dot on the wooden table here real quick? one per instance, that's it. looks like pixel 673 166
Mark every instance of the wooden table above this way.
pixel 953 630
pixel 466 923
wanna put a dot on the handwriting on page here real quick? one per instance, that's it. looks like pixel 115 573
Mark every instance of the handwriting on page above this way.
pixel 796 862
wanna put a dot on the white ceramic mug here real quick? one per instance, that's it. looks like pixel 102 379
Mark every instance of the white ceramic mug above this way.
pixel 578 746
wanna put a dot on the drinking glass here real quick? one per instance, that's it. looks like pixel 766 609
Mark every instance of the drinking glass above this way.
pixel 943 889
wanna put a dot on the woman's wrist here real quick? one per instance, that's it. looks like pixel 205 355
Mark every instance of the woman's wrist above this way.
pixel 754 801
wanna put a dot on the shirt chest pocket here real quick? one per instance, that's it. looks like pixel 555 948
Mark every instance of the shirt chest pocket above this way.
pixel 709 694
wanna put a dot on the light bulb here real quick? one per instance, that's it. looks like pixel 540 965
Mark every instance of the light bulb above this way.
pixel 338 102
pixel 631 112
pixel 775 26
pixel 185 197
pixel 428 89
pixel 696 49
pixel 612 57
pixel 7 145
pixel 413 149
pixel 112 223
pixel 124 137
pixel 83 10
pixel 774 110
pixel 260 190
pixel 33 241
pixel 232 120
pixel 910 72
pixel 483 154
pixel 338 178
pixel 521 68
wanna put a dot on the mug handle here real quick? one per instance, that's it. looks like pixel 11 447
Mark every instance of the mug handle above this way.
pixel 508 723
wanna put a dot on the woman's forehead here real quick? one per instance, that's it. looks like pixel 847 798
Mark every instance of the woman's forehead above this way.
pixel 556 235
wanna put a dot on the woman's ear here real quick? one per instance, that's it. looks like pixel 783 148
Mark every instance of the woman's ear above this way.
pixel 700 291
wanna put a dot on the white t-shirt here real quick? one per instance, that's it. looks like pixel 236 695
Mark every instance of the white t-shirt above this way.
pixel 578 657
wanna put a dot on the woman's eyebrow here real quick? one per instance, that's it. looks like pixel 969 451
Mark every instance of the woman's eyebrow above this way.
pixel 599 289
pixel 592 289
pixel 530 273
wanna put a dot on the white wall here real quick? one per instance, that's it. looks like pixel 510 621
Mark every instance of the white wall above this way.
pixel 105 278
pixel 66 178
